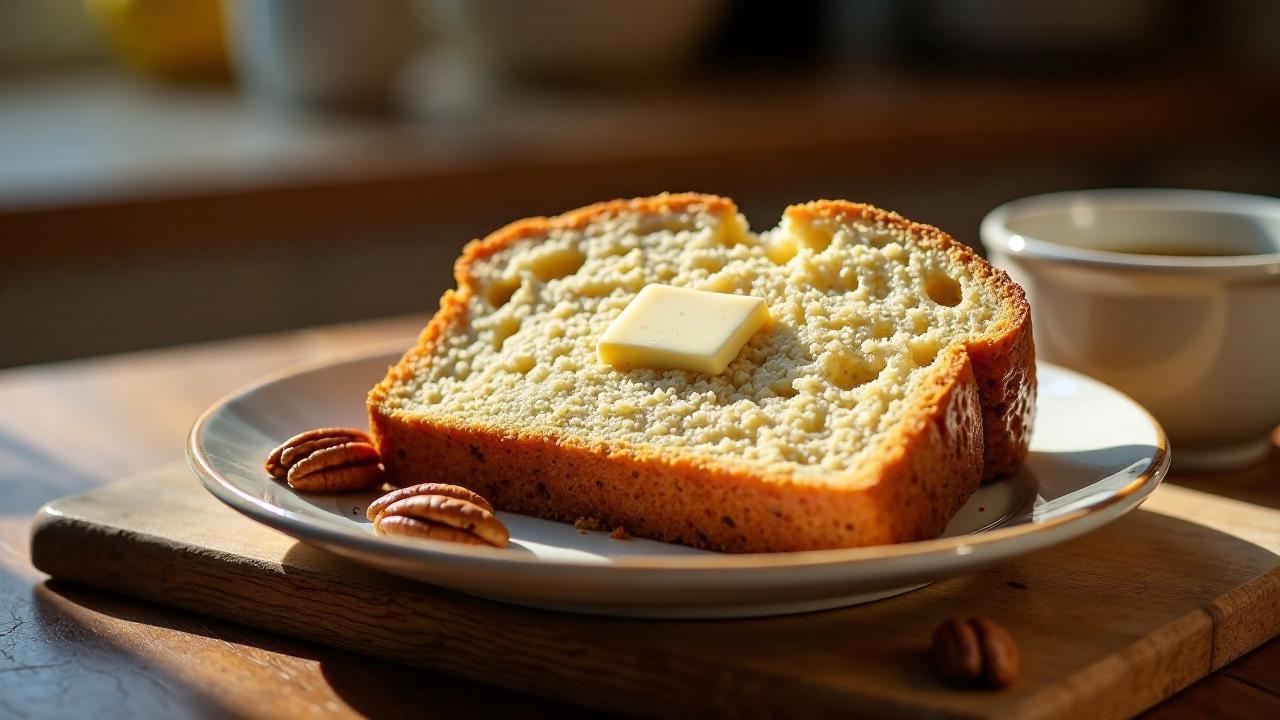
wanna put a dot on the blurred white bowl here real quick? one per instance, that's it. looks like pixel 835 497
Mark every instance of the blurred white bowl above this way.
pixel 578 38
pixel 321 53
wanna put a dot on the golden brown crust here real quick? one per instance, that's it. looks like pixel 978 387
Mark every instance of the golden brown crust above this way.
pixel 918 478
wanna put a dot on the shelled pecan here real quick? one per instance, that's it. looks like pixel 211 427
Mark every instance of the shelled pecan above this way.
pixel 326 460
pixel 439 512
pixel 975 651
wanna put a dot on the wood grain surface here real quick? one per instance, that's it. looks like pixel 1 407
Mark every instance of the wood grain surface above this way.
pixel 70 651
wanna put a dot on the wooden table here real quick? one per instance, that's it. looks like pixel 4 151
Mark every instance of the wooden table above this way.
pixel 67 651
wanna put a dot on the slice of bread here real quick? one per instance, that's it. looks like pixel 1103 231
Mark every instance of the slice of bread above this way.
pixel 897 373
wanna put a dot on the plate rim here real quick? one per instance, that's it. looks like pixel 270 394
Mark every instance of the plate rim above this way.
pixel 299 526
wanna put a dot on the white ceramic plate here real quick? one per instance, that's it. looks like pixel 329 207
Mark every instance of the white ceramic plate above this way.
pixel 1095 455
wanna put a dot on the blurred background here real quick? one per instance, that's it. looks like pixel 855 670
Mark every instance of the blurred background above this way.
pixel 174 171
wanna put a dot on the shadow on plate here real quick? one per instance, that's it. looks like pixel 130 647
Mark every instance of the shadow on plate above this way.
pixel 1068 481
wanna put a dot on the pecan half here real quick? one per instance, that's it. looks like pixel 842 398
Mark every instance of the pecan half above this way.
pixel 975 651
pixel 453 491
pixel 439 512
pixel 326 460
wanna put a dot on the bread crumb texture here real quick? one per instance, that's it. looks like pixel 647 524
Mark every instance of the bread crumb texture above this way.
pixel 863 305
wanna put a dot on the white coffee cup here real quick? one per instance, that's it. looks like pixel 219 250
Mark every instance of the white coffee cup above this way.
pixel 1172 296
pixel 345 54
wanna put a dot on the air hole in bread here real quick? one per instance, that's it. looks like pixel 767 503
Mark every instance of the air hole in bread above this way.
pixel 553 263
pixel 500 291
pixel 847 369
pixel 783 389
pixel 504 328
pixel 879 240
pixel 923 351
pixel 733 233
pixel 781 248
pixel 943 289
pixel 816 239
pixel 706 261
pixel 848 279
pixel 616 250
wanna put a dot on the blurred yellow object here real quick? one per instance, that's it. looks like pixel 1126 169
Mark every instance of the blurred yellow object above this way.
pixel 175 39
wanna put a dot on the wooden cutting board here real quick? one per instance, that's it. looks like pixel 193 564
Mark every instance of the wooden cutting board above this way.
pixel 1108 624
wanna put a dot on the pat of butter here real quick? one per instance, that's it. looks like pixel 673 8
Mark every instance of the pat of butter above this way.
pixel 671 328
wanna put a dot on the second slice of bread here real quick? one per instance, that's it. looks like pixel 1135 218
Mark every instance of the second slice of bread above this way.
pixel 897 373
